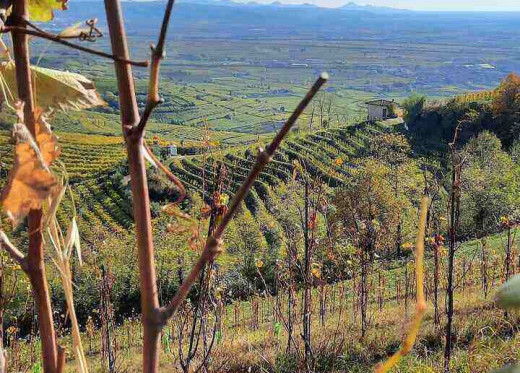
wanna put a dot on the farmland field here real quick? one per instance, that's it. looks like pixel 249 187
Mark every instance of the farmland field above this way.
pixel 243 78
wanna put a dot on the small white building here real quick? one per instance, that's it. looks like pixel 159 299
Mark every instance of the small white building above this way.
pixel 172 150
pixel 381 109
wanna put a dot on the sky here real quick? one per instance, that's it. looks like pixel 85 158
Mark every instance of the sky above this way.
pixel 447 5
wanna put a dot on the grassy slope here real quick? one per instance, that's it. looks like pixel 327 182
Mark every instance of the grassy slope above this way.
pixel 485 339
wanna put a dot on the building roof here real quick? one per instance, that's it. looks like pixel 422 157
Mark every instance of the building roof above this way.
pixel 380 102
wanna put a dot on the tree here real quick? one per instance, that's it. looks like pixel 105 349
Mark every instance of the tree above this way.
pixel 490 186
pixel 394 151
pixel 413 107
pixel 506 109
pixel 457 163
pixel 287 197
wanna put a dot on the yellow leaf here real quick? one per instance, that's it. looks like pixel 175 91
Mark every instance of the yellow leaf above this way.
pixel 54 89
pixel 43 10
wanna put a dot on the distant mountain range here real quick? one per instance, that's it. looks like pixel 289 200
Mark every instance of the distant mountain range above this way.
pixel 351 6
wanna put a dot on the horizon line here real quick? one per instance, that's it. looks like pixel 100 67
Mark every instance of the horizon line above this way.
pixel 340 7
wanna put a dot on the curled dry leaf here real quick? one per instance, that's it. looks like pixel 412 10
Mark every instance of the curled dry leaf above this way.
pixel 82 30
pixel 55 89
pixel 73 240
pixel 30 179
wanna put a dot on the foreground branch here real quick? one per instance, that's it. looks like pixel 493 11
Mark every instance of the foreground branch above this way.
pixel 45 35
pixel 35 259
pixel 212 247
pixel 420 307
pixel 139 188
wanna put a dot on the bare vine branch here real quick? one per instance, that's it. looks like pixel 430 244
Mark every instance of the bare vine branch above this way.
pixel 157 56
pixel 12 250
pixel 45 35
pixel 212 247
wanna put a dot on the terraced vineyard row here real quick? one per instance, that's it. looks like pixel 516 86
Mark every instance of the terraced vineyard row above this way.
pixel 82 155
pixel 326 154
pixel 104 200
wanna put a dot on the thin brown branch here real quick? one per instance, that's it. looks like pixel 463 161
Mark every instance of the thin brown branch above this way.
pixel 168 174
pixel 91 35
pixel 59 40
pixel 157 56
pixel 12 250
pixel 212 247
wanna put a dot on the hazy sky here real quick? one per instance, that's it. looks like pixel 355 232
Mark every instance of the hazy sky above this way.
pixel 472 5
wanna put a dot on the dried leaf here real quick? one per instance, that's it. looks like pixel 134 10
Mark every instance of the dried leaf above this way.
pixel 30 179
pixel 73 241
pixel 54 89
pixel 54 204
pixel 176 212
pixel 46 140
pixel 75 30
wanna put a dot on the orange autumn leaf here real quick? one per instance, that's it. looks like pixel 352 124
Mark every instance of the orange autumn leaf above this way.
pixel 30 179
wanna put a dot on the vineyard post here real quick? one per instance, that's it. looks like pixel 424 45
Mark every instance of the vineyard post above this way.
pixel 456 164
pixel 483 268
pixel 34 261
pixel 436 317
pixel 307 280
pixel 509 245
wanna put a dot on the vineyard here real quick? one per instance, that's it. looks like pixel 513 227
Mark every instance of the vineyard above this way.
pixel 326 154
pixel 232 210
pixel 476 96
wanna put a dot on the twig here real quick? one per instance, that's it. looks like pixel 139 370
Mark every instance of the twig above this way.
pixel 420 307
pixel 168 174
pixel 12 250
pixel 57 39
pixel 91 36
pixel 157 56
pixel 212 247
